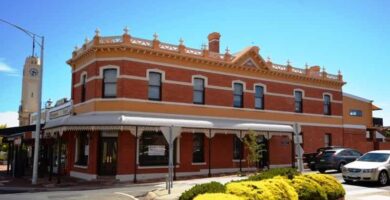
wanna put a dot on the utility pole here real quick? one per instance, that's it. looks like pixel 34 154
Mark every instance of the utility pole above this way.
pixel 39 102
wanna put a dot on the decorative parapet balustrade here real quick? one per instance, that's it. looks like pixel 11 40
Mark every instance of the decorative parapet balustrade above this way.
pixel 309 72
pixel 155 44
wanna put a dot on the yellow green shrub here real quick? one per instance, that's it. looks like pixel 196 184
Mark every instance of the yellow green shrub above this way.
pixel 272 189
pixel 217 196
pixel 331 185
pixel 308 189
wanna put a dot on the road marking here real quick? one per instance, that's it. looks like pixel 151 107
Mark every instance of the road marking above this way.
pixel 127 195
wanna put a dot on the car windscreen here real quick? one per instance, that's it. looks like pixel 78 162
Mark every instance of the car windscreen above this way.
pixel 374 157
pixel 328 153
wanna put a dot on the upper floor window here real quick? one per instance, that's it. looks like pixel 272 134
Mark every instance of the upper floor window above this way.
pixel 259 97
pixel 298 101
pixel 198 91
pixel 355 113
pixel 83 87
pixel 238 95
pixel 198 148
pixel 109 83
pixel 155 86
pixel 327 105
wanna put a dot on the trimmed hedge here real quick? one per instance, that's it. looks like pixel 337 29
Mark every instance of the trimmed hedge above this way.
pixel 307 188
pixel 333 189
pixel 288 172
pixel 212 187
pixel 217 196
pixel 265 189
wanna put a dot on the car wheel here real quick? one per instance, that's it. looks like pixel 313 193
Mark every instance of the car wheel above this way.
pixel 383 178
pixel 322 170
pixel 341 165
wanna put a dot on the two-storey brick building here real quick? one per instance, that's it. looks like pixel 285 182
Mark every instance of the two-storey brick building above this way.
pixel 126 89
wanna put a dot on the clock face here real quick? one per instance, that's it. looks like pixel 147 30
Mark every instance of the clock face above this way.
pixel 34 72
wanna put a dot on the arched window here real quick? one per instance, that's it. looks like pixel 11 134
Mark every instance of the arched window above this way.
pixel 327 105
pixel 238 95
pixel 155 86
pixel 198 91
pixel 83 87
pixel 109 83
pixel 298 101
pixel 259 97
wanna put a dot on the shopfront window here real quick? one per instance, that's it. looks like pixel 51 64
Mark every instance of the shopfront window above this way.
pixel 153 149
pixel 198 148
pixel 82 149
pixel 237 148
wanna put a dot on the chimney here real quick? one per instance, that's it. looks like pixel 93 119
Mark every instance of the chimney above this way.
pixel 214 42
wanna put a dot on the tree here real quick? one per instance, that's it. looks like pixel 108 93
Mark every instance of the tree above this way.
pixel 254 148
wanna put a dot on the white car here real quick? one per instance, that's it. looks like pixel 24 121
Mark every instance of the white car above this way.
pixel 372 166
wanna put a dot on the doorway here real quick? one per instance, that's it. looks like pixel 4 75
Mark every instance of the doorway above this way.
pixel 108 156
pixel 264 156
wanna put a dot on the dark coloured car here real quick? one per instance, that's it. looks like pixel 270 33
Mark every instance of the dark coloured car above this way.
pixel 310 158
pixel 336 159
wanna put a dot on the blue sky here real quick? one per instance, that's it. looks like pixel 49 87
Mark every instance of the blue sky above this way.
pixel 350 35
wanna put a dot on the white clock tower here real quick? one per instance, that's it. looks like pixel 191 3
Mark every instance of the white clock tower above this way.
pixel 30 87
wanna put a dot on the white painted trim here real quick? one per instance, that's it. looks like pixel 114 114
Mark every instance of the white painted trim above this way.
pixel 205 78
pixel 354 126
pixel 279 165
pixel 201 163
pixel 156 70
pixel 197 69
pixel 201 105
pixel 124 177
pixel 299 90
pixel 357 98
pixel 131 77
pixel 330 95
pixel 262 85
pixel 250 59
pixel 237 160
pixel 155 167
pixel 240 82
pixel 102 68
pixel 84 176
pixel 80 166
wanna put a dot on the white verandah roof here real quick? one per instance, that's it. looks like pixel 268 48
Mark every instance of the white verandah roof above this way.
pixel 128 121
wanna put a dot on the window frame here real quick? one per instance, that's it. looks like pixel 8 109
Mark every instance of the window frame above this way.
pixel 238 95
pixel 238 152
pixel 259 97
pixel 329 136
pixel 155 86
pixel 198 157
pixel 327 105
pixel 359 113
pixel 298 102
pixel 113 82
pixel 82 142
pixel 83 87
pixel 200 91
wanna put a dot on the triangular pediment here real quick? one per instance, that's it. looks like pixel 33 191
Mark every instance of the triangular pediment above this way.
pixel 250 57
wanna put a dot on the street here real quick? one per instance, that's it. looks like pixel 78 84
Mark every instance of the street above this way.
pixel 130 192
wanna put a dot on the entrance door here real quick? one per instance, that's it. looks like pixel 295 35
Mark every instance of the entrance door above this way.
pixel 108 156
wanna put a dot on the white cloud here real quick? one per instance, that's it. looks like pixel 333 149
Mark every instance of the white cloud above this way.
pixel 9 118
pixel 4 67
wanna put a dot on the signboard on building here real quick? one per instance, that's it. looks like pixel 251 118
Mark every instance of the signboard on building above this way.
pixel 60 112
pixel 156 150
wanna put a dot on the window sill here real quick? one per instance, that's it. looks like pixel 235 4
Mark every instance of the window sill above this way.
pixel 155 167
pixel 200 163
pixel 238 160
pixel 81 166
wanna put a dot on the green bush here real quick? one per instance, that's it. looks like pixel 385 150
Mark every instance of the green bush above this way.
pixel 331 186
pixel 307 188
pixel 288 172
pixel 275 189
pixel 212 187
pixel 217 196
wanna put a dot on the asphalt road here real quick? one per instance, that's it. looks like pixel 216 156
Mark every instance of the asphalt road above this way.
pixel 354 191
